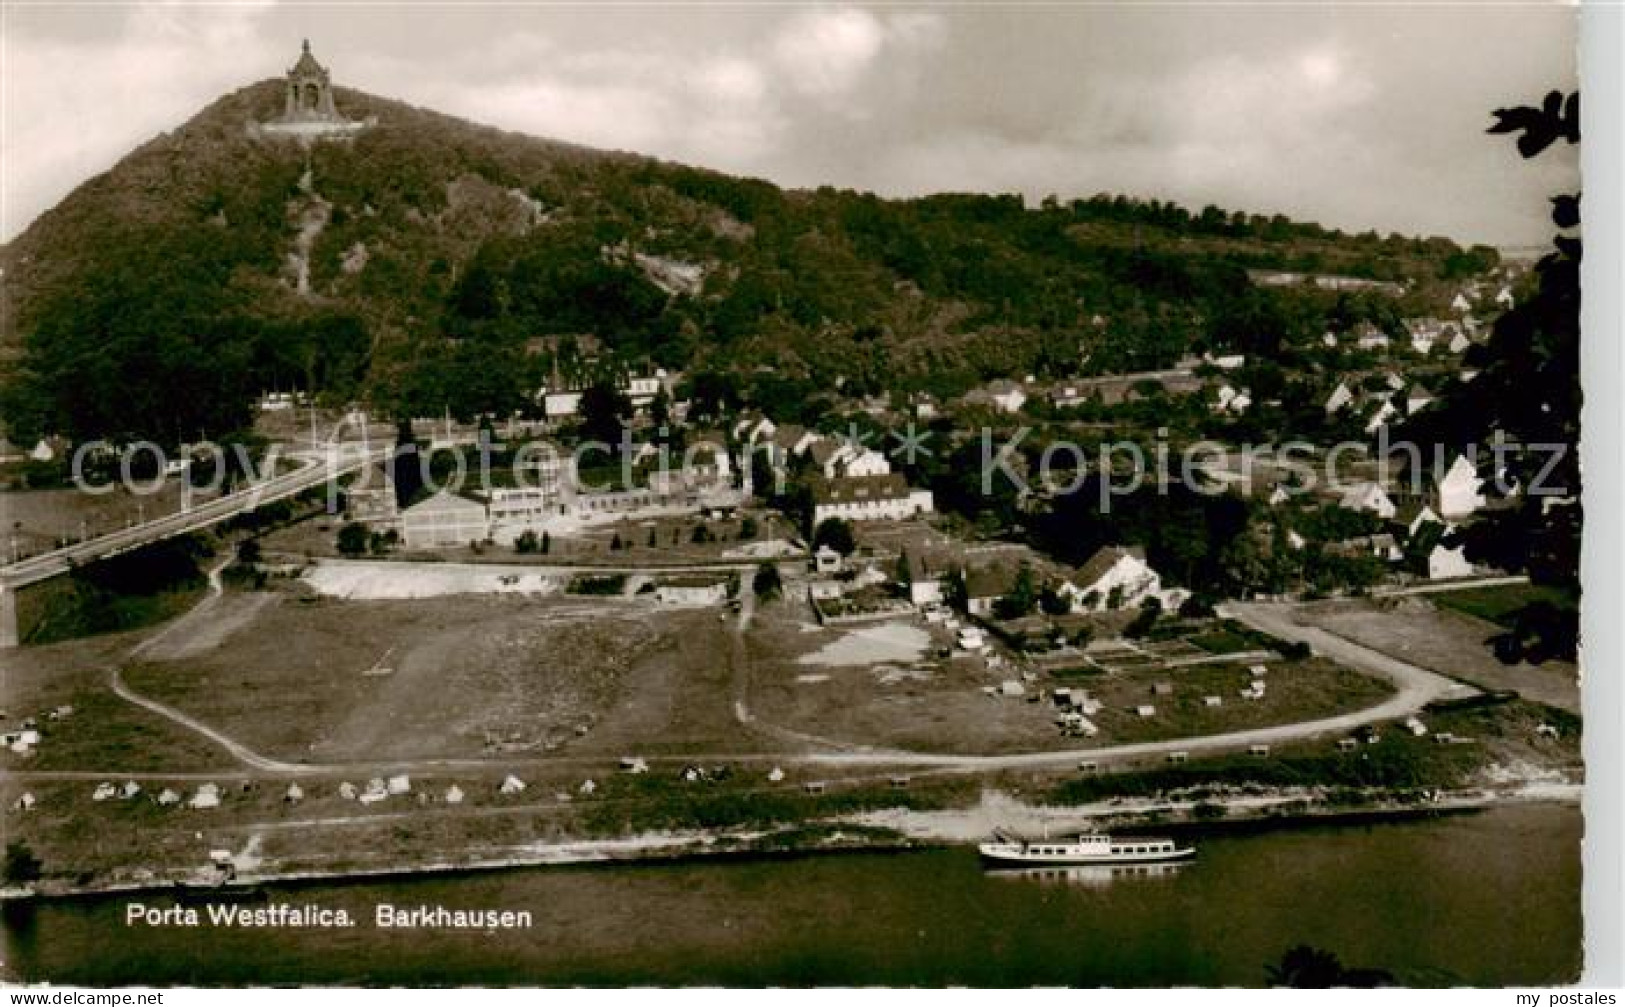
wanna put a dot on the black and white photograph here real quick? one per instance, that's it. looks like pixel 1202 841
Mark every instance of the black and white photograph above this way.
pixel 796 495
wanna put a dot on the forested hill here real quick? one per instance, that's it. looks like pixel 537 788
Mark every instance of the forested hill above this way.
pixel 432 263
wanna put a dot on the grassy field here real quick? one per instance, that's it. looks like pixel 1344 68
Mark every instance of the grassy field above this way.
pixel 1446 641
pixel 103 732
pixel 1496 604
pixel 938 704
pixel 1503 740
pixel 454 676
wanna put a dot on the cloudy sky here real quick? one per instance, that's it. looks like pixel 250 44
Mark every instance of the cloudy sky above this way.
pixel 1359 116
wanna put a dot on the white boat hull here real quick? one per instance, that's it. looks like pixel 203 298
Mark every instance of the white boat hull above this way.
pixel 1014 854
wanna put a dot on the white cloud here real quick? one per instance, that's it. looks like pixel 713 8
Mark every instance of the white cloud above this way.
pixel 827 52
pixel 72 108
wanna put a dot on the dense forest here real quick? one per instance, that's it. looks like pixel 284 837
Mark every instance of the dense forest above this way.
pixel 446 265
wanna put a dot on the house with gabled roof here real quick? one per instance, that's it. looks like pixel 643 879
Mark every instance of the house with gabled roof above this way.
pixel 1339 399
pixel 1460 492
pixel 1116 577
pixel 1369 498
pixel 885 497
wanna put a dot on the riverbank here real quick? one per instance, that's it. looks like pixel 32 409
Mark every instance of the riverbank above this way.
pixel 893 829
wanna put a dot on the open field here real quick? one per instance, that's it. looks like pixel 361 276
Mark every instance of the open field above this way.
pixel 1445 641
pixel 103 731
pixel 863 686
pixel 451 677
pixel 1496 604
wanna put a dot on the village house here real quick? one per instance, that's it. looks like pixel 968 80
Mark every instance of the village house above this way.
pixel 1117 577
pixel 1232 400
pixel 1379 419
pixel 444 519
pixel 1460 492
pixel 1414 515
pixel 1369 498
pixel 1417 399
pixel 885 497
pixel 1339 399
pixel 752 427
pixel 1446 562
pixel 1382 546
pixel 1003 395
pixel 922 577
pixel 986 583
pixel 708 589
pixel 1369 337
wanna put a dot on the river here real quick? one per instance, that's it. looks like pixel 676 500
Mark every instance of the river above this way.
pixel 1484 899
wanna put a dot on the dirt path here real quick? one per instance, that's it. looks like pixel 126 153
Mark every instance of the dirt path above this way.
pixel 1415 687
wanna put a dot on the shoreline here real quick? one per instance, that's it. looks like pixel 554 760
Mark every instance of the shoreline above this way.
pixel 888 831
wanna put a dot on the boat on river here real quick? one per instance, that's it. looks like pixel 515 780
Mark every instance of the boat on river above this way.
pixel 1011 850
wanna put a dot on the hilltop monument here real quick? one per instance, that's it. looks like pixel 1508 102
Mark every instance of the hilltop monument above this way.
pixel 308 109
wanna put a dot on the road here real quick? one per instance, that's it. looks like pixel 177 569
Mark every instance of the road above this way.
pixel 317 467
pixel 1415 687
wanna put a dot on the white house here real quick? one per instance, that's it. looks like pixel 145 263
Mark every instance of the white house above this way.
pixel 1380 418
pixel 1417 399
pixel 1459 342
pixel 1115 577
pixel 1340 397
pixel 1444 563
pixel 1461 304
pixel 444 519
pixel 1371 338
pixel 1416 517
pixel 1232 400
pixel 695 590
pixel 1369 498
pixel 923 578
pixel 754 427
pixel 1004 395
pixel 868 498
pixel 861 461
pixel 560 405
pixel 985 585
pixel 1504 298
pixel 1460 493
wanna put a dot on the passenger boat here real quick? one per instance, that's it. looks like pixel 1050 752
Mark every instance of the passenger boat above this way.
pixel 1008 850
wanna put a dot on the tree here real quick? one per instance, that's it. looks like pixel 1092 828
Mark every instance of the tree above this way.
pixel 837 534
pixel 248 551
pixel 1150 610
pixel 604 412
pixel 767 583
pixel 526 543
pixel 1305 967
pixel 22 865
pixel 1527 393
pixel 1023 596
pixel 352 539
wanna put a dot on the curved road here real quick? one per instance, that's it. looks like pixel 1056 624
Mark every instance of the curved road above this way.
pixel 1415 688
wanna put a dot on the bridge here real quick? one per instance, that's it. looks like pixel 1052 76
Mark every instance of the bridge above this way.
pixel 317 468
